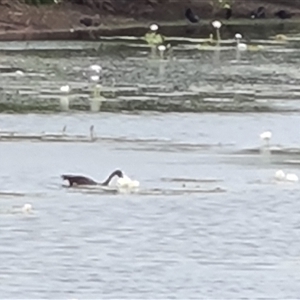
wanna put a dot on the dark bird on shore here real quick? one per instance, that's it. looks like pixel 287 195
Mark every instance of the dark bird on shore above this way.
pixel 259 13
pixel 191 16
pixel 228 11
pixel 86 21
pixel 83 180
pixel 282 14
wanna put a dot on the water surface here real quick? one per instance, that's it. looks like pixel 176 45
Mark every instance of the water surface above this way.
pixel 209 220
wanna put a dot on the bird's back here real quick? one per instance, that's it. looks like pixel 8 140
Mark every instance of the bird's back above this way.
pixel 78 180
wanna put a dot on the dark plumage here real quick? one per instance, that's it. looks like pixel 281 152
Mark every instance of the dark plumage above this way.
pixel 259 13
pixel 82 180
pixel 86 21
pixel 228 13
pixel 191 16
pixel 282 14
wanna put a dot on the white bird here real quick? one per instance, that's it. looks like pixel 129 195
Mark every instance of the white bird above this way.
pixel 65 88
pixel 266 136
pixel 291 177
pixel 27 208
pixel 95 78
pixel 217 24
pixel 19 73
pixel 153 27
pixel 161 48
pixel 240 46
pixel 281 176
pixel 127 183
pixel 96 68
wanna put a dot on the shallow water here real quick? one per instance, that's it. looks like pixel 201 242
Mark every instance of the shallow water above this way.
pixel 209 221
pixel 267 76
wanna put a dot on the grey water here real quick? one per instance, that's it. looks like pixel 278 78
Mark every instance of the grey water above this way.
pixel 207 222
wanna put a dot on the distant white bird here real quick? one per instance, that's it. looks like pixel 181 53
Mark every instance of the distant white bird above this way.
pixel 266 136
pixel 161 49
pixel 290 177
pixel 240 46
pixel 65 88
pixel 279 175
pixel 19 73
pixel 95 78
pixel 27 208
pixel 96 68
pixel 153 27
pixel 217 24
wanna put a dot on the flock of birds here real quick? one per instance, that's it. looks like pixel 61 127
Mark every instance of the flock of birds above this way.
pixel 259 13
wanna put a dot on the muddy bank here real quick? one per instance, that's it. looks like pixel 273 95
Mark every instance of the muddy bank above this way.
pixel 64 21
pixel 262 29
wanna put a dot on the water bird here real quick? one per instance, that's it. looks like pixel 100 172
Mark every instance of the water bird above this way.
pixel 19 73
pixel 27 208
pixel 161 49
pixel 283 14
pixel 153 27
pixel 266 136
pixel 191 16
pixel 96 68
pixel 259 14
pixel 95 78
pixel 228 11
pixel 240 46
pixel 153 38
pixel 290 177
pixel 83 180
pixel 65 88
pixel 122 182
pixel 280 37
pixel 86 21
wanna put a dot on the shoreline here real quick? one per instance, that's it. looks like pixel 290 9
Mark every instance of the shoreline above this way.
pixel 137 29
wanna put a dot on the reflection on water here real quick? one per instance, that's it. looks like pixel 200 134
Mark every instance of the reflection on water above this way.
pixel 209 215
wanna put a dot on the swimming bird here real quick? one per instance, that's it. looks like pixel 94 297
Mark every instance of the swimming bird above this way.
pixel 266 136
pixel 96 68
pixel 290 177
pixel 27 208
pixel 191 16
pixel 65 88
pixel 83 180
pixel 240 46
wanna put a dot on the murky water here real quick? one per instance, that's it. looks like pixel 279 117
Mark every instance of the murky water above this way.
pixel 264 76
pixel 209 220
